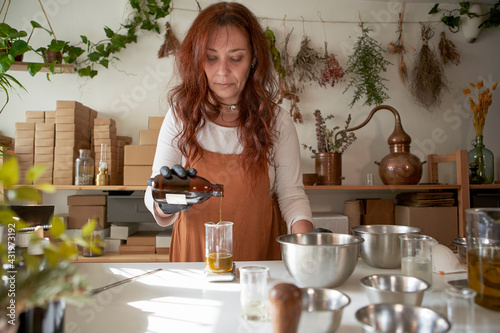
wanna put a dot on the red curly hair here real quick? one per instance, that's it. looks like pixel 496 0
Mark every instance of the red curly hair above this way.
pixel 193 101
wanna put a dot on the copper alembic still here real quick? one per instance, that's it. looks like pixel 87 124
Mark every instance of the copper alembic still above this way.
pixel 399 167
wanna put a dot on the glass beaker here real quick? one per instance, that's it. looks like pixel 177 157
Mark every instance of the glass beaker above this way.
pixel 253 298
pixel 219 247
pixel 416 256
pixel 483 255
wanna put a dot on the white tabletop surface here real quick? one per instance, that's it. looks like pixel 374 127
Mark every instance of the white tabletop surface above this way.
pixel 179 299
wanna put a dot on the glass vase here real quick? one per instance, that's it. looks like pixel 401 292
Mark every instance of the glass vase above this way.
pixel 482 161
pixel 84 168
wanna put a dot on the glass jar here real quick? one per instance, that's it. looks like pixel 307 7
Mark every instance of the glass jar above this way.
pixel 484 160
pixel 95 240
pixel 84 168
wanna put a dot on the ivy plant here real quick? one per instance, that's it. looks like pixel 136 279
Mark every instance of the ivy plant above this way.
pixel 451 18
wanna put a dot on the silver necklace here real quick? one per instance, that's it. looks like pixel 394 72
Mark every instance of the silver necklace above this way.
pixel 231 106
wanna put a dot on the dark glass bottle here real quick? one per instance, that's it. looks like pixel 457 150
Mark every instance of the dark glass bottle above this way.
pixel 184 191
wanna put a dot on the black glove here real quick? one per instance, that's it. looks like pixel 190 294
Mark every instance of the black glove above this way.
pixel 166 172
pixel 321 230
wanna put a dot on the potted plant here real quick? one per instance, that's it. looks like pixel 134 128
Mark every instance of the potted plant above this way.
pixel 331 143
pixel 33 282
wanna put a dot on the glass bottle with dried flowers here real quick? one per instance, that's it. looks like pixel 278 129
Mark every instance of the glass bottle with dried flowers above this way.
pixel 480 158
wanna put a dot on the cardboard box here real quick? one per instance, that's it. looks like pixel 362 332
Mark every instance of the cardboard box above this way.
pixel 148 137
pixel 377 211
pixel 19 149
pixel 163 250
pixel 43 127
pixel 155 122
pixel 136 174
pixel 139 155
pixel 25 126
pixel 113 245
pixel 62 180
pixel 104 121
pixel 36 115
pixel 334 222
pixel 123 231
pixel 29 134
pixel 41 142
pixel 78 216
pixel 68 104
pixel 164 239
pixel 127 140
pixel 87 200
pixel 143 238
pixel 440 223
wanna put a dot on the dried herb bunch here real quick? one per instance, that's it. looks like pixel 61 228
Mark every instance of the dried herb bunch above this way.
pixel 325 137
pixel 287 86
pixel 397 47
pixel 448 50
pixel 428 80
pixel 364 66
pixel 170 44
pixel 308 62
pixel 332 72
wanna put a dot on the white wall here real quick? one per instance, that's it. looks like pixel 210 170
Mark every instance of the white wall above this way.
pixel 134 88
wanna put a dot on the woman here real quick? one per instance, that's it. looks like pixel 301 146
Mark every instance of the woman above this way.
pixel 224 125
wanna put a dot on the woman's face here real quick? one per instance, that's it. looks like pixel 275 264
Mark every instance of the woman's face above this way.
pixel 228 63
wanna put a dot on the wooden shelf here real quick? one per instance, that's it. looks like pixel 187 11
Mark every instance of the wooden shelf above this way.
pixel 101 188
pixel 23 66
pixel 382 187
pixel 485 187
pixel 115 257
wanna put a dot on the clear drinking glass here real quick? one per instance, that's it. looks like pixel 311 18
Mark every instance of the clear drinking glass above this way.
pixel 416 256
pixel 254 295
pixel 219 247
pixel 84 168
pixel 460 309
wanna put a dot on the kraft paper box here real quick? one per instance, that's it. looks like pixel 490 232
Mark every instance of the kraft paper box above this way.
pixel 143 238
pixel 44 159
pixel 68 104
pixel 440 223
pixel 18 149
pixel 104 121
pixel 62 181
pixel 136 249
pixel 44 151
pixel 87 200
pixel 79 216
pixel 377 211
pixel 45 134
pixel 25 126
pixel 139 155
pixel 155 122
pixel 148 137
pixel 44 142
pixel 136 174
pixel 28 134
pixel 43 127
pixel 35 115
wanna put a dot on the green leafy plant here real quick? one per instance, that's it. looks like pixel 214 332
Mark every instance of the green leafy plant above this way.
pixel 38 279
pixel 452 20
pixel 326 138
pixel 364 66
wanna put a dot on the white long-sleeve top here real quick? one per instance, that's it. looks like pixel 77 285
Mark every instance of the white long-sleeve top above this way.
pixel 285 173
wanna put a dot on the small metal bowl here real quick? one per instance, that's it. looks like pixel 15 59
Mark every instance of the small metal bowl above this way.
pixel 321 310
pixel 461 244
pixel 401 318
pixel 390 288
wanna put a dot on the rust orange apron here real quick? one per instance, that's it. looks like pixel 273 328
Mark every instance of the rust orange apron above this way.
pixel 254 213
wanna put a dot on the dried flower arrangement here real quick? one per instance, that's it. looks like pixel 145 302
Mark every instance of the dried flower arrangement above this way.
pixel 308 62
pixel 170 44
pixel 481 105
pixel 365 65
pixel 326 141
pixel 332 72
pixel 287 86
pixel 428 81
pixel 448 50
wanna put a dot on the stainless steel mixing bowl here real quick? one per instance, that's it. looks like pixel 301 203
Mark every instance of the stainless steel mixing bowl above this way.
pixel 323 260
pixel 392 288
pixel 382 246
pixel 386 317
pixel 321 310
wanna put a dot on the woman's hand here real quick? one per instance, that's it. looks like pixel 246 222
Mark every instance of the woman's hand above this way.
pixel 167 172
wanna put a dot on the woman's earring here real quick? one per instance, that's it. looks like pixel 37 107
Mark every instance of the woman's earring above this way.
pixel 253 65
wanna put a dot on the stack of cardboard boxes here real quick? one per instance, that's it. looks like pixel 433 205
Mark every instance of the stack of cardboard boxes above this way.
pixel 139 158
pixel 25 146
pixel 44 150
pixel 73 132
pixel 142 242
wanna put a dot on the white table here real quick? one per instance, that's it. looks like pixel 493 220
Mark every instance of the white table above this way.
pixel 178 299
